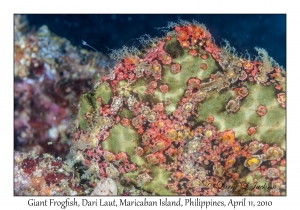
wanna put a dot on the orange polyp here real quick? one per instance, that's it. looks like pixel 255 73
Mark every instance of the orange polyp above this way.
pixel 178 174
pixel 210 119
pixel 204 56
pixel 247 65
pixel 228 137
pixel 251 130
pixel 193 52
pixel 175 68
pixel 261 110
pixel 164 88
pixel 185 44
pixel 203 66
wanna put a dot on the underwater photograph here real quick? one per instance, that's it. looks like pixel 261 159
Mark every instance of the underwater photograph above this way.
pixel 149 105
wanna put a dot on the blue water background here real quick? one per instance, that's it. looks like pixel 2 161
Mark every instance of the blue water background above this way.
pixel 244 32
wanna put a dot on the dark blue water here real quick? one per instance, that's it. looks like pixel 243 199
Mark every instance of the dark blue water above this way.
pixel 244 32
